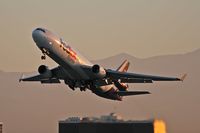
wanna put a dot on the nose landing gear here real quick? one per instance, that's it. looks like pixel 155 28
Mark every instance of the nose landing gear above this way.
pixel 43 57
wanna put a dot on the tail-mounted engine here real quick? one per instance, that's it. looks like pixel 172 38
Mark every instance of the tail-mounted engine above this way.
pixel 44 71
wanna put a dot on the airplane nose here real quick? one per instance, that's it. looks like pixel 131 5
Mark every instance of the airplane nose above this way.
pixel 38 35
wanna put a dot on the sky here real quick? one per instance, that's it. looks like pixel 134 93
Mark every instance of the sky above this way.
pixel 98 28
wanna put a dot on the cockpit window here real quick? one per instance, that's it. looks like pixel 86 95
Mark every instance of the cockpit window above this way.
pixel 40 29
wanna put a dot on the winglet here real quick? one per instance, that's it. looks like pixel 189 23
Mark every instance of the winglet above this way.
pixel 21 78
pixel 183 77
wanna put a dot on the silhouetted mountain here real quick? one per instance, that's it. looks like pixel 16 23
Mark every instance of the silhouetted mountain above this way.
pixel 32 107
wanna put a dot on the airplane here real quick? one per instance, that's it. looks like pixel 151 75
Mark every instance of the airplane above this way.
pixel 78 72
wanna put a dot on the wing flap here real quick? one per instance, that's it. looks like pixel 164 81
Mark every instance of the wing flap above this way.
pixel 133 80
pixel 129 93
pixel 50 81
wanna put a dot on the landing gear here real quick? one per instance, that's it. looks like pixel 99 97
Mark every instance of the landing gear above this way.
pixel 43 57
pixel 71 87
pixel 82 89
pixel 70 84
pixel 73 84
pixel 44 52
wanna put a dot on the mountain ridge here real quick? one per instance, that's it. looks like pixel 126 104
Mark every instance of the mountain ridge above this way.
pixel 123 54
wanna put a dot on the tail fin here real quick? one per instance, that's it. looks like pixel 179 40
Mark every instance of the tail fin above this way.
pixel 124 66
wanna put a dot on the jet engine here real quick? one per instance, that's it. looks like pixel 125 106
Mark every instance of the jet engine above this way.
pixel 99 71
pixel 44 71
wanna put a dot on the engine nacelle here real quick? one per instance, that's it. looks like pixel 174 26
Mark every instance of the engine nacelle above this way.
pixel 99 71
pixel 44 71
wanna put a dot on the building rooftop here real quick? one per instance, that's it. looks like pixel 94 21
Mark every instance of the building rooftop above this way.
pixel 111 118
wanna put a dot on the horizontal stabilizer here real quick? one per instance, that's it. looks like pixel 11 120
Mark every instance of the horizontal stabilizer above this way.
pixel 129 93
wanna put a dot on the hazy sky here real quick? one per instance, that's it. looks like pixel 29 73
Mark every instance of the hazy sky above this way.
pixel 98 28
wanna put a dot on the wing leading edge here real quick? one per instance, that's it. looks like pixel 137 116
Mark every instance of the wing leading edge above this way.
pixel 139 78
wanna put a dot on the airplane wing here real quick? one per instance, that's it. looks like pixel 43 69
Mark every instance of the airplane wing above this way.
pixel 56 75
pixel 125 77
pixel 40 78
pixel 138 78
pixel 129 93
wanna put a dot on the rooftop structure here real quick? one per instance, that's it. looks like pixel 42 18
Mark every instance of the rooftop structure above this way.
pixel 111 123
pixel 112 117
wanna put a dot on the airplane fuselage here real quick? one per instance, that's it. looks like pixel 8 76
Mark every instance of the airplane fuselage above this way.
pixel 71 60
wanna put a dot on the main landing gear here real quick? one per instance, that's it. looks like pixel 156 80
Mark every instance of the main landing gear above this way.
pixel 82 88
pixel 76 84
pixel 71 87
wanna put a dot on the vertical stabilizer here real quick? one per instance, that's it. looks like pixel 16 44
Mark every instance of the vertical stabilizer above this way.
pixel 124 66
